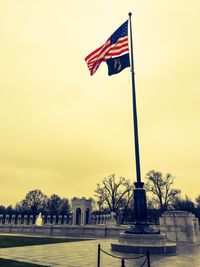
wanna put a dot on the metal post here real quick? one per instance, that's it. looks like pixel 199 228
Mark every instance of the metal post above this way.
pixel 98 255
pixel 123 263
pixel 135 123
pixel 148 258
pixel 141 225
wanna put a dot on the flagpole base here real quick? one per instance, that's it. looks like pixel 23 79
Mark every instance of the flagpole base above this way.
pixel 142 229
pixel 141 225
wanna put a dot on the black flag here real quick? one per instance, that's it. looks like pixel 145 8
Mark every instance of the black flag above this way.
pixel 117 64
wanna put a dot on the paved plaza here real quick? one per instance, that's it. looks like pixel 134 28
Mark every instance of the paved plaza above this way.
pixel 84 253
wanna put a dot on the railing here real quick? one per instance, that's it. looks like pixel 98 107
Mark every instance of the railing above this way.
pixel 145 261
pixel 20 219
pixel 25 219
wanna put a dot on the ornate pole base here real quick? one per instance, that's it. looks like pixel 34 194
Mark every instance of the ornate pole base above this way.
pixel 141 225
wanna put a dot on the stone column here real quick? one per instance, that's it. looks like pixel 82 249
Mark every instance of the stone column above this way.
pixel 48 219
pixel 54 219
pixel 7 219
pixel 31 219
pixel 95 219
pixel 19 219
pixel 1 219
pixel 112 219
pixel 82 218
pixel 25 219
pixel 101 218
pixel 74 217
pixel 60 219
pixel 65 219
pixel 43 219
pixel 13 219
pixel 106 219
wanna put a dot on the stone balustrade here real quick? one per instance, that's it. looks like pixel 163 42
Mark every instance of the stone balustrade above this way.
pixel 13 219
pixel 109 219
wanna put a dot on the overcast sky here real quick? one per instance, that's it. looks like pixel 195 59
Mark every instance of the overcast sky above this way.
pixel 62 130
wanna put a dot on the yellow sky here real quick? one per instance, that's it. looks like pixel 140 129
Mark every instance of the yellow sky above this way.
pixel 62 130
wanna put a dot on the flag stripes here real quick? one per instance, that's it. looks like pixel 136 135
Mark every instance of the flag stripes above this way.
pixel 116 45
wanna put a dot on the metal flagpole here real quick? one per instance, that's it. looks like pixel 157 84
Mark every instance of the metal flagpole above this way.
pixel 136 140
pixel 141 225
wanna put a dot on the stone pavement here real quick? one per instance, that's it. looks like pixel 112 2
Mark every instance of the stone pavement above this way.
pixel 84 253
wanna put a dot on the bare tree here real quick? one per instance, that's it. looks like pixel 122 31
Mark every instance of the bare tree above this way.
pixel 34 202
pixel 161 187
pixel 114 192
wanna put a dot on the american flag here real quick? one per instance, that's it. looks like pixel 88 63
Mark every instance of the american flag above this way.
pixel 116 45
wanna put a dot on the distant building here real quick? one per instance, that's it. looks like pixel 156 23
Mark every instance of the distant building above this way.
pixel 82 210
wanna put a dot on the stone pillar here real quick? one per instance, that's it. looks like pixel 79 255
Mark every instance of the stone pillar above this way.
pixel 99 219
pixel 43 219
pixel 7 219
pixel 1 219
pixel 31 219
pixel 19 219
pixel 60 219
pixel 106 219
pixel 48 219
pixel 73 217
pixel 54 219
pixel 65 219
pixel 13 219
pixel 112 219
pixel 93 219
pixel 25 220
pixel 82 218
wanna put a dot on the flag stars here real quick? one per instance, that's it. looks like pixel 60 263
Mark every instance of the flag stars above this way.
pixel 116 45
pixel 120 32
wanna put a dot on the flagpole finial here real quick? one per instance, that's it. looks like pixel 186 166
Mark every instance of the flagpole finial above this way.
pixel 130 14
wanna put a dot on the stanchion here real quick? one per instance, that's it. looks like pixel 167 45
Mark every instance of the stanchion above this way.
pixel 123 263
pixel 148 258
pixel 98 257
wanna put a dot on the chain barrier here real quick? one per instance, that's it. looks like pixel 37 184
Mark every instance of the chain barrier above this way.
pixel 146 256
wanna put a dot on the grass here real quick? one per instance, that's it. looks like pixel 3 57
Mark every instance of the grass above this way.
pixel 11 263
pixel 7 241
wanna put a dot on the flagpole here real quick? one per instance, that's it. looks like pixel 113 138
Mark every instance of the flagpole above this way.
pixel 135 122
pixel 141 225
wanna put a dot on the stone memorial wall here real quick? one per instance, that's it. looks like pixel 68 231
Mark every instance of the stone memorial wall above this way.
pixel 180 226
